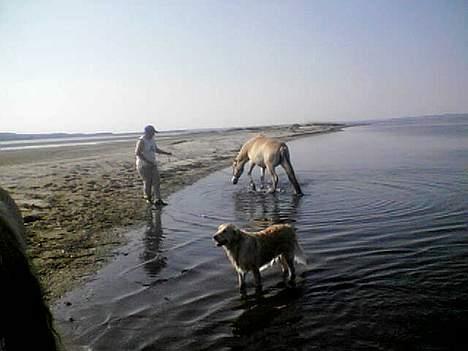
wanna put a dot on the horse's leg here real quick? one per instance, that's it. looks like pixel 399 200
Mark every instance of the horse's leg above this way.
pixel 249 173
pixel 286 164
pixel 262 179
pixel 274 178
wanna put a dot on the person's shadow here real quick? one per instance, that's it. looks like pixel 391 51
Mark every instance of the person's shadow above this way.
pixel 152 256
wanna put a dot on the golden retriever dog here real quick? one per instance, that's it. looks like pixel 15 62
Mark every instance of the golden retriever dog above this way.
pixel 256 251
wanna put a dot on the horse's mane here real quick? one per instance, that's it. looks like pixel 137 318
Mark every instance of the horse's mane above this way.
pixel 25 318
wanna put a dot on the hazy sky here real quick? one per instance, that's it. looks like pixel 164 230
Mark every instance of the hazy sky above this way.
pixel 86 66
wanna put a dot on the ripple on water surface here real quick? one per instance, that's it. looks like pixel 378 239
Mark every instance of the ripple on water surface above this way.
pixel 384 230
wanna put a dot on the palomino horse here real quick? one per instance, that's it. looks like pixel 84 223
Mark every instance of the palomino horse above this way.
pixel 25 318
pixel 266 153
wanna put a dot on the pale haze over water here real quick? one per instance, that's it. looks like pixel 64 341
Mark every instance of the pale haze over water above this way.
pixel 115 66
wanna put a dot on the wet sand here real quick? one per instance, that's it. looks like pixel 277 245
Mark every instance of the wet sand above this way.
pixel 78 201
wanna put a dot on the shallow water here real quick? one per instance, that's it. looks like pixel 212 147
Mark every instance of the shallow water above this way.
pixel 383 224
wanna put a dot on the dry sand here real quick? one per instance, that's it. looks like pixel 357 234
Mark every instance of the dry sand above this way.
pixel 78 201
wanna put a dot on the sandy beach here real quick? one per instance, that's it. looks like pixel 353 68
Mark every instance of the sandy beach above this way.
pixel 77 201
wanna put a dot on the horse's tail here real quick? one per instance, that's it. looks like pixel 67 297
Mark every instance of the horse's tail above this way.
pixel 286 162
pixel 284 152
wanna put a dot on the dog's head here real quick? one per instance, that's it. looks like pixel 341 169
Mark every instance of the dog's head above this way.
pixel 226 234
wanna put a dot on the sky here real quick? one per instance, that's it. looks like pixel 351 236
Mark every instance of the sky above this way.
pixel 116 66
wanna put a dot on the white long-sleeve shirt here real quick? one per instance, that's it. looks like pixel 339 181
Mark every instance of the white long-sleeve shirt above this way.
pixel 149 149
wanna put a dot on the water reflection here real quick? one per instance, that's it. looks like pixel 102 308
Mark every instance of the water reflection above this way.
pixel 259 209
pixel 272 317
pixel 152 253
pixel 386 232
pixel 268 321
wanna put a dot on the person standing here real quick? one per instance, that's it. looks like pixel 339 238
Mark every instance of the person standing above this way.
pixel 145 152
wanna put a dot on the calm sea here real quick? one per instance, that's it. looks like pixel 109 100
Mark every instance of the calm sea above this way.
pixel 384 226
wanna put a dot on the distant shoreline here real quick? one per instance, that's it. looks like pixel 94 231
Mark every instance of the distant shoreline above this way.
pixel 14 141
pixel 12 136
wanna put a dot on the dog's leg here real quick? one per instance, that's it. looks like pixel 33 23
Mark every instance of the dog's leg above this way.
pixel 292 270
pixel 241 277
pixel 258 280
pixel 284 267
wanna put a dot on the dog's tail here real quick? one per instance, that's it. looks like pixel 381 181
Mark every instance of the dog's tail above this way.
pixel 299 255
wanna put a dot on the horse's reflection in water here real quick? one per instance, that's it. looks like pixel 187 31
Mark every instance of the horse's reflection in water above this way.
pixel 279 309
pixel 260 210
pixel 152 254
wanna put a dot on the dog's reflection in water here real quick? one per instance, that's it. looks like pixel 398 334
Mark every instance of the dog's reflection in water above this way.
pixel 260 311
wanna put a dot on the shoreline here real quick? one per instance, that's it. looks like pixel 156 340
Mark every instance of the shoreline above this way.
pixel 79 201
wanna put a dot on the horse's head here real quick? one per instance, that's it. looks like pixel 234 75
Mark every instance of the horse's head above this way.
pixel 237 169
